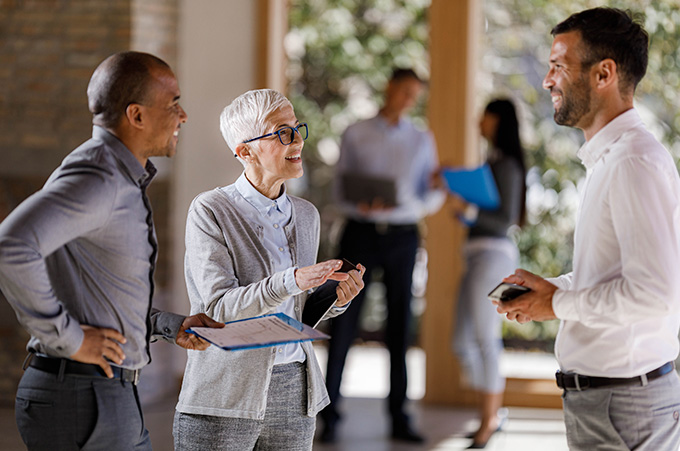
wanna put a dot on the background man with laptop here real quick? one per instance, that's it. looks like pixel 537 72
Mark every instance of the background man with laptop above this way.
pixel 384 186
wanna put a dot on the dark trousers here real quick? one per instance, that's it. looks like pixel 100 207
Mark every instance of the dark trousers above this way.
pixel 394 250
pixel 79 413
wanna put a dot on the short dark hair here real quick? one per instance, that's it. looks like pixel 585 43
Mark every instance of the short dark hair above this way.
pixel 399 73
pixel 611 33
pixel 121 79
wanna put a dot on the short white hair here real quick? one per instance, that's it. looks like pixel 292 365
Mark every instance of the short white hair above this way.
pixel 246 116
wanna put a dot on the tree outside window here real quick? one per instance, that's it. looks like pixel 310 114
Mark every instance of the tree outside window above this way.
pixel 340 55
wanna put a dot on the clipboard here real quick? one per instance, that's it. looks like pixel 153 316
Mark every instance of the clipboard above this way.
pixel 258 332
pixel 361 188
pixel 476 186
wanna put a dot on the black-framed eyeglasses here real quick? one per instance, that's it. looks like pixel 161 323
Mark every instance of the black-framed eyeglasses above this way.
pixel 286 134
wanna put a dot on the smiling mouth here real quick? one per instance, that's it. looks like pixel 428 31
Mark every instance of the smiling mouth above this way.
pixel 294 158
pixel 556 97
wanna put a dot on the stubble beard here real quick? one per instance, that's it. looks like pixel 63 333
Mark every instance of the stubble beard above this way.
pixel 576 105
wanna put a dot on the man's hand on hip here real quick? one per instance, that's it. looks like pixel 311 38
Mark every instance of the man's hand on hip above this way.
pixel 100 344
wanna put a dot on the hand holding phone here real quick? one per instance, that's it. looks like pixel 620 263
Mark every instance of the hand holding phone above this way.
pixel 347 266
pixel 506 291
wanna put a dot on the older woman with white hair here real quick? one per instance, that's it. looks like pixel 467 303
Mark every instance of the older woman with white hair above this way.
pixel 251 250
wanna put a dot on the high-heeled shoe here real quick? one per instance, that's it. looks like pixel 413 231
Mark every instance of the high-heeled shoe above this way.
pixel 482 445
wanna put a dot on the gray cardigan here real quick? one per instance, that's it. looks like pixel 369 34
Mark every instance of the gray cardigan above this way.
pixel 229 277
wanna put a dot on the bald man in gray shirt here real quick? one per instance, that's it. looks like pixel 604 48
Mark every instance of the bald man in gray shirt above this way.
pixel 77 261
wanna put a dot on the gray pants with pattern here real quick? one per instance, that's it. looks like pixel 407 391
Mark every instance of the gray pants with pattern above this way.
pixel 285 426
pixel 625 418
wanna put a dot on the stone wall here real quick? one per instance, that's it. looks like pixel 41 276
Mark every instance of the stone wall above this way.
pixel 48 51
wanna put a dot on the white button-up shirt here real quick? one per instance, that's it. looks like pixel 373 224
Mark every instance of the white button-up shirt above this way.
pixel 620 306
pixel 400 152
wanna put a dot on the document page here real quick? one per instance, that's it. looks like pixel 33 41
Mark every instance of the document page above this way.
pixel 258 332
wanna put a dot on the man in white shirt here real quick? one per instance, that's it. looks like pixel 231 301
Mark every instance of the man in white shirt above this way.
pixel 620 306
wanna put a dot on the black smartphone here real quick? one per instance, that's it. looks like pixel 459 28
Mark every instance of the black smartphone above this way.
pixel 507 291
pixel 347 266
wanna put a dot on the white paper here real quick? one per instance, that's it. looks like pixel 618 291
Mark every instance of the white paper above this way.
pixel 252 332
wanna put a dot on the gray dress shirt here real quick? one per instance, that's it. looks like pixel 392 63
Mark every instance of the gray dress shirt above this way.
pixel 82 250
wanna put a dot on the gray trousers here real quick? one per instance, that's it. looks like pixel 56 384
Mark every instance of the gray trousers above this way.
pixel 625 418
pixel 285 426
pixel 79 413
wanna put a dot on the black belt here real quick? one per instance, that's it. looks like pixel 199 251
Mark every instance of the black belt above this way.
pixel 383 228
pixel 573 381
pixel 65 366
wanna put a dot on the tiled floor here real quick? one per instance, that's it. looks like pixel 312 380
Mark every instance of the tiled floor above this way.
pixel 365 426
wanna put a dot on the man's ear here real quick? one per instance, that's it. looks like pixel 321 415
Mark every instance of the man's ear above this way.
pixel 134 114
pixel 606 73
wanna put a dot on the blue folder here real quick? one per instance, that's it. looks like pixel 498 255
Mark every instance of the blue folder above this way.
pixel 476 186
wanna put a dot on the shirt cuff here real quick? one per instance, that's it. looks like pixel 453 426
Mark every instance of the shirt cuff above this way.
pixel 289 282
pixel 68 343
pixel 341 309
pixel 166 325
pixel 564 305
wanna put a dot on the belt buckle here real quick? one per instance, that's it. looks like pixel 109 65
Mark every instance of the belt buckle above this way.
pixel 577 382
pixel 562 379
pixel 130 375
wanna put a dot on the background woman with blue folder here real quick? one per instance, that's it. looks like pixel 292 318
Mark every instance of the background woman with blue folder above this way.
pixel 490 255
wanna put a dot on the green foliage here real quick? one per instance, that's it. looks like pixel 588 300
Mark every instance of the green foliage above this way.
pixel 341 53
pixel 516 46
pixel 340 56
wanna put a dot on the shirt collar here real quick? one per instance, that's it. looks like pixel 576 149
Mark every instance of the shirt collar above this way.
pixel 386 125
pixel 594 149
pixel 141 175
pixel 262 203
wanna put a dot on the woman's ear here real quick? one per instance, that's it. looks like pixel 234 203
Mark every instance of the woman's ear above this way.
pixel 243 152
